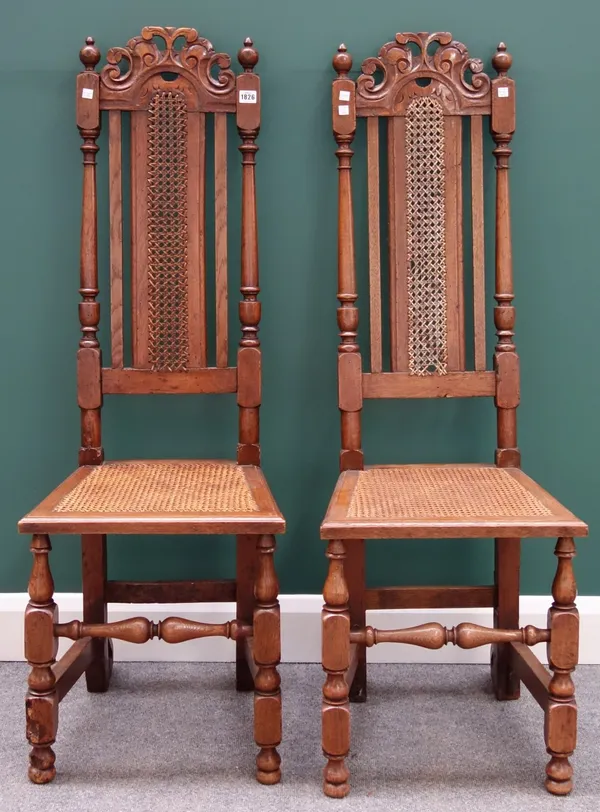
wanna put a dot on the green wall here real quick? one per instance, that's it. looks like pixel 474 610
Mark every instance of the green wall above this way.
pixel 556 215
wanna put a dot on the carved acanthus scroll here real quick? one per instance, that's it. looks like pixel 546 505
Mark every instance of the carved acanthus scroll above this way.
pixel 442 71
pixel 128 74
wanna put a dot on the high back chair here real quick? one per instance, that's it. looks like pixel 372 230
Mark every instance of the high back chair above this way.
pixel 429 91
pixel 160 93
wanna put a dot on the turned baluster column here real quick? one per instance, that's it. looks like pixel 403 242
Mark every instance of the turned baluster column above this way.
pixel 350 399
pixel 506 361
pixel 336 660
pixel 560 730
pixel 89 360
pixel 249 354
pixel 40 652
pixel 267 653
pixel 349 360
pixel 506 365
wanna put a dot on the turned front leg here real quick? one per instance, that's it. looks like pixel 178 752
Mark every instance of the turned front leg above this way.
pixel 40 651
pixel 560 729
pixel 336 660
pixel 267 653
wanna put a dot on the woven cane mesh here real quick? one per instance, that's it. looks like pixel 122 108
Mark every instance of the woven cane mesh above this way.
pixel 425 237
pixel 168 344
pixel 441 493
pixel 161 487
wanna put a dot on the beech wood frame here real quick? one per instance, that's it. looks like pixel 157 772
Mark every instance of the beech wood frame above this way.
pixel 407 72
pixel 204 78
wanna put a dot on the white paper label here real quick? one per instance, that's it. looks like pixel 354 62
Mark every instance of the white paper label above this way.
pixel 503 92
pixel 247 97
pixel 344 95
pixel 343 110
pixel 87 93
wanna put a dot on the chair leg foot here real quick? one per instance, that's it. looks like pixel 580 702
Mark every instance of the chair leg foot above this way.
pixel 41 765
pixel 97 676
pixel 268 763
pixel 354 574
pixel 559 775
pixel 335 775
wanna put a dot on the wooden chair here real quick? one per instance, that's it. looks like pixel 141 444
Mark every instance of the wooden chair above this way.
pixel 428 92
pixel 173 84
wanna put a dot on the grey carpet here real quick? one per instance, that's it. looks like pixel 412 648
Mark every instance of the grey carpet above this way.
pixel 177 737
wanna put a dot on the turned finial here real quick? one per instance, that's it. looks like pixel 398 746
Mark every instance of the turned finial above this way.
pixel 502 60
pixel 89 54
pixel 342 61
pixel 248 56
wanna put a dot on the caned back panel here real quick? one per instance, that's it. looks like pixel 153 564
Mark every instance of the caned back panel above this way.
pixel 428 87
pixel 168 80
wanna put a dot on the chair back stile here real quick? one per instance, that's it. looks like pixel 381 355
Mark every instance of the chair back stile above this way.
pixel 429 92
pixel 172 82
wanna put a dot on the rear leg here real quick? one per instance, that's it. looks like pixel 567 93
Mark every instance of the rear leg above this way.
pixel 354 570
pixel 93 572
pixel 506 615
pixel 246 560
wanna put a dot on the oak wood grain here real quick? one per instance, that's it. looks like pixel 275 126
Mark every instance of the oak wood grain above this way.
pixel 452 385
pixel 168 79
pixel 478 240
pixel 222 590
pixel 410 68
pixel 455 317
pixel 531 672
pixel 507 569
pixel 146 382
pixel 428 597
pixel 374 243
pixel 221 236
pixel 196 248
pixel 139 239
pixel 71 666
pixel 115 195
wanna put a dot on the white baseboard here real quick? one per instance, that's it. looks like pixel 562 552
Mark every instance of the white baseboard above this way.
pixel 301 630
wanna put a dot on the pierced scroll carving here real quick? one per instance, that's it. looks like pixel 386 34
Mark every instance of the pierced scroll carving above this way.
pixel 447 67
pixel 144 59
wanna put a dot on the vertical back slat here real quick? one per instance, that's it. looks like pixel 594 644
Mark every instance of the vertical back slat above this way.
pixel 115 193
pixel 374 242
pixel 477 220
pixel 454 243
pixel 221 236
pixel 139 238
pixel 397 243
pixel 196 259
